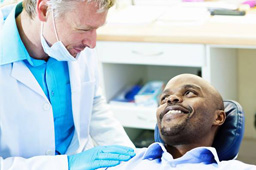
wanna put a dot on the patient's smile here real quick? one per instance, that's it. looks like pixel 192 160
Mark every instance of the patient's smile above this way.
pixel 172 114
pixel 174 111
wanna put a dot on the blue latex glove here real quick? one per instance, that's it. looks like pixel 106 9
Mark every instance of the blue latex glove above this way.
pixel 100 157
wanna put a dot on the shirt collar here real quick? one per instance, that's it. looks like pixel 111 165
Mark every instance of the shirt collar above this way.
pixel 154 151
pixel 12 48
pixel 196 155
pixel 202 154
pixel 35 62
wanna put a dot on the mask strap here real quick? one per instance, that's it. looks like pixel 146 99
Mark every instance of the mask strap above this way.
pixel 42 26
pixel 53 20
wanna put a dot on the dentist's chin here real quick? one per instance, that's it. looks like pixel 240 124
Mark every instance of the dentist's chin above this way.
pixel 74 52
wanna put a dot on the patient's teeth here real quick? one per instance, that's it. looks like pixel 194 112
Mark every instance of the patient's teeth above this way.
pixel 173 112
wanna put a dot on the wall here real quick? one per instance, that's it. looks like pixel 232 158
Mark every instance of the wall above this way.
pixel 247 98
pixel 247 88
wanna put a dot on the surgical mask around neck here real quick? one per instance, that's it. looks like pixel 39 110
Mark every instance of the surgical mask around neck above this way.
pixel 57 50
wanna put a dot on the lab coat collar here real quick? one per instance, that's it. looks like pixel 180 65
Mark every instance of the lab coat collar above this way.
pixel 12 48
pixel 22 73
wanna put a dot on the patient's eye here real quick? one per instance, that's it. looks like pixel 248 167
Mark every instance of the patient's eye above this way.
pixel 190 93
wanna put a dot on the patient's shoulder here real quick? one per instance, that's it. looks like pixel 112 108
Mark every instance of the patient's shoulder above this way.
pixel 236 164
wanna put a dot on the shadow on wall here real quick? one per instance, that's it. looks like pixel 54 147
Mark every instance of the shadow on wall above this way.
pixel 247 152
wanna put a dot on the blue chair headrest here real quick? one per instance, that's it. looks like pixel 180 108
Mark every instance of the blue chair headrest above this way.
pixel 229 136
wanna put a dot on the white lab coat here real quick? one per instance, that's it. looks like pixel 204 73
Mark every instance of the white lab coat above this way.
pixel 26 117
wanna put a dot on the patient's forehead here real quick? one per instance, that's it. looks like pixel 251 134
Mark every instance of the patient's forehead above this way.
pixel 177 83
pixel 186 79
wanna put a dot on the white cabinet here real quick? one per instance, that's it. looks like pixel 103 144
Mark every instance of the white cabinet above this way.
pixel 126 63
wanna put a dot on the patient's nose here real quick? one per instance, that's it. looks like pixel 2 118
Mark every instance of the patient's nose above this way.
pixel 174 99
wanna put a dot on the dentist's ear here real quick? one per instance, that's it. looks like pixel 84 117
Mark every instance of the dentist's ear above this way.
pixel 42 9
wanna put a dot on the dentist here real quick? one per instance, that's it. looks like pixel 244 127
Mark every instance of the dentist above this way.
pixel 52 113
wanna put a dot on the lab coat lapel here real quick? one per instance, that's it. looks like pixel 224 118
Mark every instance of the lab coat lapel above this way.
pixel 82 89
pixel 75 82
pixel 22 73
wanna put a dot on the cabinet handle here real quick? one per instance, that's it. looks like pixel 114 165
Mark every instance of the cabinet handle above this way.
pixel 148 54
pixel 146 119
pixel 142 118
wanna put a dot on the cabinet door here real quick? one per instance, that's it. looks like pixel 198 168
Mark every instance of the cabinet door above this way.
pixel 191 55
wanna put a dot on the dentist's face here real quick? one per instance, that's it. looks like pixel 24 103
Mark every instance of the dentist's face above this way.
pixel 186 111
pixel 76 29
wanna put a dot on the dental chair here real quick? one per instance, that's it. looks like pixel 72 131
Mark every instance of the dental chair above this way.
pixel 229 137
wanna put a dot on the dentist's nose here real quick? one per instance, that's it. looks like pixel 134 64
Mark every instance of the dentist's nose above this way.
pixel 90 39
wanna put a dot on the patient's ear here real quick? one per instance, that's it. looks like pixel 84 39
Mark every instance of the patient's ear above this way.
pixel 220 117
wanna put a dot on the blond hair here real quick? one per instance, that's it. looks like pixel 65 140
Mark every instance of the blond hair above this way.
pixel 62 6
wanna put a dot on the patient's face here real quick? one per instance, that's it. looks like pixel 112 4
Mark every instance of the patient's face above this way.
pixel 186 111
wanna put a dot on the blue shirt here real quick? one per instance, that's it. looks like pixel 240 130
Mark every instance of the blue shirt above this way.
pixel 52 76
pixel 156 157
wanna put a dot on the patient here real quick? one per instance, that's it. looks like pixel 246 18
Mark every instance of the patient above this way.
pixel 188 117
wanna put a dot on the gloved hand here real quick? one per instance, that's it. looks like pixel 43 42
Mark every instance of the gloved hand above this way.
pixel 100 157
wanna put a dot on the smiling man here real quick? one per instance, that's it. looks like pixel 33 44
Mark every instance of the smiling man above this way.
pixel 188 117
